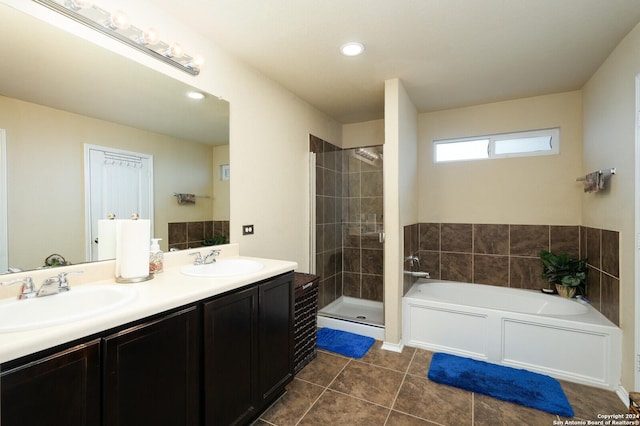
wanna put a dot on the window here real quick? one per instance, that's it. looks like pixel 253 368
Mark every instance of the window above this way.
pixel 532 142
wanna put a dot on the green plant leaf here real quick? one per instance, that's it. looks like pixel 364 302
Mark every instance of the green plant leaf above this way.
pixel 562 269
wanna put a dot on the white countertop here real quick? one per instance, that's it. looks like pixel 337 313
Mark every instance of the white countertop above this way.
pixel 169 289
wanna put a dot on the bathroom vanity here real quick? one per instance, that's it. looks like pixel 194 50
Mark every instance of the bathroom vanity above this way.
pixel 188 351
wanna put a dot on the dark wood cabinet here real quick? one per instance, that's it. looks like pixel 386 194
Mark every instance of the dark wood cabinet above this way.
pixel 276 336
pixel 230 355
pixel 62 388
pixel 151 372
pixel 248 350
pixel 216 362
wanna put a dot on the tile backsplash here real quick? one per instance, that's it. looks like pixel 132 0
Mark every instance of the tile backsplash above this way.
pixel 184 235
pixel 508 255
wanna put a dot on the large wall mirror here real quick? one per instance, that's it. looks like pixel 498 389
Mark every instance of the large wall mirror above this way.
pixel 59 93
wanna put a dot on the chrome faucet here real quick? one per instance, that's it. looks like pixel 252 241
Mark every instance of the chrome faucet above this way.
pixel 50 286
pixel 198 260
pixel 55 285
pixel 413 260
pixel 27 291
pixel 209 258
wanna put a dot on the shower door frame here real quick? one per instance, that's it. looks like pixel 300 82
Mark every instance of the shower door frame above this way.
pixel 312 212
pixel 366 227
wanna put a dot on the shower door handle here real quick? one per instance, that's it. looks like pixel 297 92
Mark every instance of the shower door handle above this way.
pixel 381 237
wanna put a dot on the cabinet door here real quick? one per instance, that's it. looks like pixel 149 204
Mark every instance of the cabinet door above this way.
pixel 276 336
pixel 151 374
pixel 230 358
pixel 61 389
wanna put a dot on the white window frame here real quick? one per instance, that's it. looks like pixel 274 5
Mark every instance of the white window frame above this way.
pixel 492 139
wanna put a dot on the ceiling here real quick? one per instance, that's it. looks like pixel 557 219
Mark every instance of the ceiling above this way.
pixel 448 53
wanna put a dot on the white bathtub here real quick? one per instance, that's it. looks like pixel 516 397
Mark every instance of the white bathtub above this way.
pixel 566 339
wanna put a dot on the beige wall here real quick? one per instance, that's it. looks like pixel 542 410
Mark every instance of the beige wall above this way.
pixel 368 133
pixel 45 174
pixel 609 141
pixel 270 170
pixel 400 208
pixel 525 190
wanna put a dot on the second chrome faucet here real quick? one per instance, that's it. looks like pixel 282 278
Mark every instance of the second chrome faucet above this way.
pixel 209 258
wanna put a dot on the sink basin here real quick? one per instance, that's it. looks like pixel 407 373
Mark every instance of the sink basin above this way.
pixel 223 268
pixel 76 304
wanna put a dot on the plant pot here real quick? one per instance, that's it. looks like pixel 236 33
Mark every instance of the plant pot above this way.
pixel 565 291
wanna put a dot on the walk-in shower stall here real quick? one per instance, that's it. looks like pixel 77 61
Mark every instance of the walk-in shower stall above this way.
pixel 347 236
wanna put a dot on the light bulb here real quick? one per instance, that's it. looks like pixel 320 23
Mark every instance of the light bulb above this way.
pixel 195 95
pixel 150 36
pixel 76 5
pixel 118 21
pixel 174 51
pixel 196 63
pixel 352 49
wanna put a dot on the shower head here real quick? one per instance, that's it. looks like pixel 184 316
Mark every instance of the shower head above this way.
pixel 368 155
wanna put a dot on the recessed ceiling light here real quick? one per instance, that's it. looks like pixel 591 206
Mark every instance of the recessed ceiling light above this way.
pixel 195 95
pixel 352 48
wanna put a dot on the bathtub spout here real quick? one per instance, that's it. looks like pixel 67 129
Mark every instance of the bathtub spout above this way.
pixel 418 274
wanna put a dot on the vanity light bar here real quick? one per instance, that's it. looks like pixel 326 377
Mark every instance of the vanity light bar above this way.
pixel 117 26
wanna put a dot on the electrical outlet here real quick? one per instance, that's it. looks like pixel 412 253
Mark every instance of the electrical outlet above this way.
pixel 247 229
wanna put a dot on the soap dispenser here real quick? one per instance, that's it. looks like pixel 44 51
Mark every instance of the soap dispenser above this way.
pixel 156 257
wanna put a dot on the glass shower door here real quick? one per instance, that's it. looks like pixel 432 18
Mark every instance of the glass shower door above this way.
pixel 347 241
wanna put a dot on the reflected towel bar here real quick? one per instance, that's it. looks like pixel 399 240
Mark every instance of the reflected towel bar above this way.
pixel 605 172
pixel 176 194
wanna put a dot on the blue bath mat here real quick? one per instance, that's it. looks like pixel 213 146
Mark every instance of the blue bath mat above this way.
pixel 508 384
pixel 343 342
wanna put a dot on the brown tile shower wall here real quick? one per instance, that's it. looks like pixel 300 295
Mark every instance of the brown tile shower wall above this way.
pixel 184 235
pixel 601 247
pixel 363 257
pixel 508 255
pixel 328 219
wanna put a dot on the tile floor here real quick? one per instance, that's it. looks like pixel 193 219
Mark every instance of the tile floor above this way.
pixel 387 388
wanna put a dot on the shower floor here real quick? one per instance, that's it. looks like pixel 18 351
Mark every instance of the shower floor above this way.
pixel 354 309
pixel 365 317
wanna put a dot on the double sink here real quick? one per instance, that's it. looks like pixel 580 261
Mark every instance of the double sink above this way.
pixel 88 301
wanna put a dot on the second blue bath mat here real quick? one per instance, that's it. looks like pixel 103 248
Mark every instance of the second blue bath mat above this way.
pixel 508 384
pixel 343 342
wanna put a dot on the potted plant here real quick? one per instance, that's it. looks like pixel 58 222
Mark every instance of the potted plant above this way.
pixel 568 274
pixel 215 241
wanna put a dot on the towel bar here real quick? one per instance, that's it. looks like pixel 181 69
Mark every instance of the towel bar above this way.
pixel 175 194
pixel 605 172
